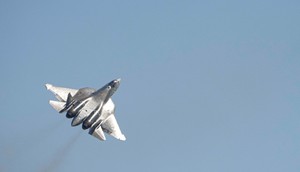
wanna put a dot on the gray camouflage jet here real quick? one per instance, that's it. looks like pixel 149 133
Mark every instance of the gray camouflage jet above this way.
pixel 92 108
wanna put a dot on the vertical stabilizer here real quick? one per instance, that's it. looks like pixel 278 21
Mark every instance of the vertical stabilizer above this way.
pixel 68 103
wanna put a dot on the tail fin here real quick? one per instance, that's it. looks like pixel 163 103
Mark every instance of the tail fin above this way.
pixel 69 99
pixel 68 103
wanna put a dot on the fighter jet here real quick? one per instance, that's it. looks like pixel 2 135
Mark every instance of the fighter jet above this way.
pixel 92 108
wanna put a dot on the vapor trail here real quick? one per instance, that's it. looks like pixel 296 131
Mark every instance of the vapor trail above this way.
pixel 61 154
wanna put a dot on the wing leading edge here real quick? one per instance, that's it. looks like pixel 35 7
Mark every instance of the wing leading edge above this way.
pixel 111 127
pixel 61 93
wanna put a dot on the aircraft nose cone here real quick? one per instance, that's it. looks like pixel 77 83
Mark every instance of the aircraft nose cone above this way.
pixel 118 80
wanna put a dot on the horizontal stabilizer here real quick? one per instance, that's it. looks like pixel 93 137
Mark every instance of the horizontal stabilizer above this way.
pixel 58 106
pixel 99 134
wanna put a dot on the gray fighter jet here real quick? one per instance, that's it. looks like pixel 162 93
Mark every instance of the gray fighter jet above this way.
pixel 92 108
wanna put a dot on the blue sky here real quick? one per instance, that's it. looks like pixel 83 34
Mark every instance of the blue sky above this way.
pixel 206 86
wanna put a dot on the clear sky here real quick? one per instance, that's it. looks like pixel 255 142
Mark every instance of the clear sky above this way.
pixel 208 86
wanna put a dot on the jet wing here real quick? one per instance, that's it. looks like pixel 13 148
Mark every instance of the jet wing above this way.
pixel 61 93
pixel 111 127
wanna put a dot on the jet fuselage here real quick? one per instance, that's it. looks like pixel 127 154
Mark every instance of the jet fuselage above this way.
pixel 92 108
pixel 86 106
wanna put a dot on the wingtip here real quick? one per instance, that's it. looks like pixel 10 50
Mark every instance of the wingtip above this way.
pixel 123 138
pixel 48 86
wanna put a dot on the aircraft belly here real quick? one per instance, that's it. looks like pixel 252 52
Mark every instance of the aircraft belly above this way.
pixel 79 118
pixel 84 113
pixel 90 119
